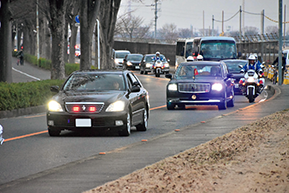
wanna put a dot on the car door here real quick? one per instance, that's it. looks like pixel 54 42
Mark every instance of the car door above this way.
pixel 228 81
pixel 136 100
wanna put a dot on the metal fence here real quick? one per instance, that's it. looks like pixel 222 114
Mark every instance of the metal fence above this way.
pixel 266 46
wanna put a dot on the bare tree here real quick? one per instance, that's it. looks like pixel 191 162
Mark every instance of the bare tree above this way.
pixel 5 42
pixel 272 29
pixel 168 33
pixel 185 33
pixel 251 30
pixel 57 23
pixel 131 28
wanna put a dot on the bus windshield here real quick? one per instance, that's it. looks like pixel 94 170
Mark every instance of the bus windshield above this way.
pixel 218 50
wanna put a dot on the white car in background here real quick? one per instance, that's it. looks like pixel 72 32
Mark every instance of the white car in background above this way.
pixel 118 57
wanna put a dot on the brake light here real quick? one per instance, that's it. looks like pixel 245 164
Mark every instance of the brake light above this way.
pixel 76 109
pixel 241 82
pixel 92 109
pixel 260 81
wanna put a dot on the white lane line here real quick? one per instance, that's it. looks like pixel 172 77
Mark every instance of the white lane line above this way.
pixel 26 74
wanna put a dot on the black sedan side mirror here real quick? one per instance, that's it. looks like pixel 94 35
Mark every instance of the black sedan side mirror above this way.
pixel 54 89
pixel 135 88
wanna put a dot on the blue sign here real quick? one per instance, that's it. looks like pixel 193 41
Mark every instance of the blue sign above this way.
pixel 77 19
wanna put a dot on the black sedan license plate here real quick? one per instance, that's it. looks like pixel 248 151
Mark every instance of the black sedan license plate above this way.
pixel 82 122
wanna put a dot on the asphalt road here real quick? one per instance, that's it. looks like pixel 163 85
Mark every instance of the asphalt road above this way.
pixel 31 161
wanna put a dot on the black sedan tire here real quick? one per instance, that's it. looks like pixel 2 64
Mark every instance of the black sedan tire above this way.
pixel 125 130
pixel 52 131
pixel 171 106
pixel 144 125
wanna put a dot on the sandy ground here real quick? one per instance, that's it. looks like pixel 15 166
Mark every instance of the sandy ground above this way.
pixel 253 158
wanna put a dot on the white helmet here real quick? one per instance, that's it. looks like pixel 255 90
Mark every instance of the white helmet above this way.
pixel 200 58
pixel 190 59
pixel 158 53
pixel 252 57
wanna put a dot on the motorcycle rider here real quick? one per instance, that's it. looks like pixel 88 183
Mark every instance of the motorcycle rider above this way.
pixel 158 57
pixel 200 58
pixel 252 64
pixel 190 59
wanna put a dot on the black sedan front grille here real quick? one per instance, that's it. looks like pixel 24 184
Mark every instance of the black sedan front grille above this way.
pixel 84 107
pixel 194 87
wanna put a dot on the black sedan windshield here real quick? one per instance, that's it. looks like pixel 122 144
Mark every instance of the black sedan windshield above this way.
pixel 190 71
pixel 94 82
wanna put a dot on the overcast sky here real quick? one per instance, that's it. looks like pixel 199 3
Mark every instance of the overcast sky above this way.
pixel 189 13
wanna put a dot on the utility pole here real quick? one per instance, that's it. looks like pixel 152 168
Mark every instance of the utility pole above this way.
pixel 203 23
pixel 262 21
pixel 284 33
pixel 243 17
pixel 156 18
pixel 37 31
pixel 240 23
pixel 213 25
pixel 280 45
pixel 222 22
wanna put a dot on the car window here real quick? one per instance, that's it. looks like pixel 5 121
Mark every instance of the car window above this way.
pixel 134 57
pixel 121 54
pixel 234 66
pixel 94 82
pixel 189 71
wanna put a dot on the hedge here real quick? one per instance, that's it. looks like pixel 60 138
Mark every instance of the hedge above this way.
pixel 28 94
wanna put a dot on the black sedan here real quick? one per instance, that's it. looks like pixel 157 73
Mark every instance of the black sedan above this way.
pixel 132 61
pixel 99 100
pixel 233 68
pixel 200 83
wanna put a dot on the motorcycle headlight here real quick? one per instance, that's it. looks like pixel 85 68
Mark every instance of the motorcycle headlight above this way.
pixel 173 87
pixel 148 65
pixel 217 87
pixel 117 106
pixel 251 79
pixel 54 106
pixel 167 65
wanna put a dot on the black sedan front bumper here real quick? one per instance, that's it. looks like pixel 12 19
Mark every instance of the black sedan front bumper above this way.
pixel 71 121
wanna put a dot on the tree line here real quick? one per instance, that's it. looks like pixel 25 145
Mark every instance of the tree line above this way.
pixel 18 17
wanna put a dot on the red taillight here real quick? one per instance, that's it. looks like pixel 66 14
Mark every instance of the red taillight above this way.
pixel 92 109
pixel 241 82
pixel 260 81
pixel 76 109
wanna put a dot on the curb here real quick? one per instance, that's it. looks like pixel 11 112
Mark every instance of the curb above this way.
pixel 22 111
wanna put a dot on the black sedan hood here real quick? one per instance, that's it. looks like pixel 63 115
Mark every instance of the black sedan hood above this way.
pixel 106 97
pixel 198 79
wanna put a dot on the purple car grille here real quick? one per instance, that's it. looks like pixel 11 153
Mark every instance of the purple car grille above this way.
pixel 194 87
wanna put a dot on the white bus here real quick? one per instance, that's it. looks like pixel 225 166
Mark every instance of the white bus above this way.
pixel 211 48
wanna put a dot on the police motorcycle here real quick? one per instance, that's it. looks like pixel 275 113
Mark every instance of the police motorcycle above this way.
pixel 252 84
pixel 158 67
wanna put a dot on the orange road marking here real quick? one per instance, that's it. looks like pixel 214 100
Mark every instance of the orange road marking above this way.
pixel 23 136
pixel 158 107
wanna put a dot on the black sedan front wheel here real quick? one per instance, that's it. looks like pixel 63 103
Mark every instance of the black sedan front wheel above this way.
pixel 53 131
pixel 170 106
pixel 144 125
pixel 125 131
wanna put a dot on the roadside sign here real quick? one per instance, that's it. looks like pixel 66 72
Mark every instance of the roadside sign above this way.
pixel 77 19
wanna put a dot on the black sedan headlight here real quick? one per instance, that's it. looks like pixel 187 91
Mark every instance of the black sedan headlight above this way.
pixel 54 106
pixel 117 106
pixel 172 87
pixel 217 86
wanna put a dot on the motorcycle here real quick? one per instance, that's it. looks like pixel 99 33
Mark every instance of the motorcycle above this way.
pixel 252 84
pixel 158 68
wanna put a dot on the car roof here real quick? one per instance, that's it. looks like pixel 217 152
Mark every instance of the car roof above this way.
pixel 92 71
pixel 214 63
pixel 126 51
pixel 217 38
pixel 135 54
pixel 152 55
pixel 234 60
